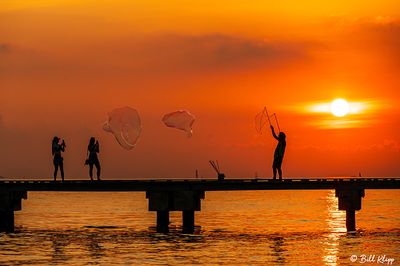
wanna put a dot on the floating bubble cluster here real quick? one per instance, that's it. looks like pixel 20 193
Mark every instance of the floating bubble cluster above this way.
pixel 181 119
pixel 124 123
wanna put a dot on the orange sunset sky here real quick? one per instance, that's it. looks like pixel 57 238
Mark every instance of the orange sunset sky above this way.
pixel 65 64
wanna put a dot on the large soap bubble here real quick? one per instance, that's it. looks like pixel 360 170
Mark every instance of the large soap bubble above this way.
pixel 124 123
pixel 181 119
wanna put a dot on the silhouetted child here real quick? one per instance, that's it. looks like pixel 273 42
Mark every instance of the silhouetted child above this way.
pixel 93 150
pixel 279 152
pixel 58 160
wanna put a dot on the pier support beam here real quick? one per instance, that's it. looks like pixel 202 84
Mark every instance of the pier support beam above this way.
pixel 7 221
pixel 10 201
pixel 350 201
pixel 187 201
pixel 162 221
pixel 188 221
pixel 351 221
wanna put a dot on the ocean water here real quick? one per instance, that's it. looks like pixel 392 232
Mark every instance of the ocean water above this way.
pixel 233 228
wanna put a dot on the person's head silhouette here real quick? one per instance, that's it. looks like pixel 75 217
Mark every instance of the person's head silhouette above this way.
pixel 282 136
pixel 55 140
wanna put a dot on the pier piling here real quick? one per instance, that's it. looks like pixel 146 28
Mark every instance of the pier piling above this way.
pixel 350 201
pixel 7 221
pixel 10 201
pixel 187 201
pixel 188 221
pixel 162 221
pixel 351 221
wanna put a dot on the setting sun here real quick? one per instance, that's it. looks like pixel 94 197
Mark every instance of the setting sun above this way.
pixel 341 113
pixel 340 107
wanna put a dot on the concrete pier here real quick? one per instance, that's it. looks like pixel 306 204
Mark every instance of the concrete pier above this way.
pixel 165 196
pixel 188 221
pixel 351 221
pixel 350 201
pixel 7 221
pixel 162 221
pixel 187 201
pixel 10 201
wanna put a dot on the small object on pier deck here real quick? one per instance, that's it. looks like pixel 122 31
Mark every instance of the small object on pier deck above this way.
pixel 215 165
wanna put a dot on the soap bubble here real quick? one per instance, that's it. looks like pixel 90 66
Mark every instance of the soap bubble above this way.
pixel 124 123
pixel 181 119
pixel 106 127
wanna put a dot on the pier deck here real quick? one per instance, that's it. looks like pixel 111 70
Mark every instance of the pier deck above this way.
pixel 201 184
pixel 186 195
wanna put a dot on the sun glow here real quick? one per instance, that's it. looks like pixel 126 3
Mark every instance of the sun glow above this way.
pixel 341 113
pixel 340 107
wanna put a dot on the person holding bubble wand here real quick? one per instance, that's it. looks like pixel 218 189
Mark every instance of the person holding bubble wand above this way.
pixel 279 150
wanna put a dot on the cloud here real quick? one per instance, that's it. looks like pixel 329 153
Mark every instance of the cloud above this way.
pixel 161 54
pixel 23 60
pixel 378 37
pixel 215 51
pixel 382 33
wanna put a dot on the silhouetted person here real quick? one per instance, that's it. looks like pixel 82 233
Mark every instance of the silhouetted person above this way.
pixel 58 160
pixel 93 159
pixel 279 152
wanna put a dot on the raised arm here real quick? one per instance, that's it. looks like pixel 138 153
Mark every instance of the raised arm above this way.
pixel 62 146
pixel 273 133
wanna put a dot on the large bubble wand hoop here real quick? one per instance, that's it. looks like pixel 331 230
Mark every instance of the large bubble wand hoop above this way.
pixel 276 119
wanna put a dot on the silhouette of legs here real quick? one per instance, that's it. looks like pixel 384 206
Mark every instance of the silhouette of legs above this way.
pixel 277 167
pixel 91 171
pixel 61 166
pixel 98 170
pixel 62 170
pixel 280 173
pixel 55 171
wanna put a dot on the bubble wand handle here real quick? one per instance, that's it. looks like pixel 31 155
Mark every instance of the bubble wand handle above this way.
pixel 276 119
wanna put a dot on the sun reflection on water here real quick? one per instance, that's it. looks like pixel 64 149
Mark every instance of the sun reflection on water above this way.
pixel 335 221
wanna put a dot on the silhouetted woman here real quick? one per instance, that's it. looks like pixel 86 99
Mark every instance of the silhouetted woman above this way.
pixel 93 159
pixel 58 160
pixel 279 152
